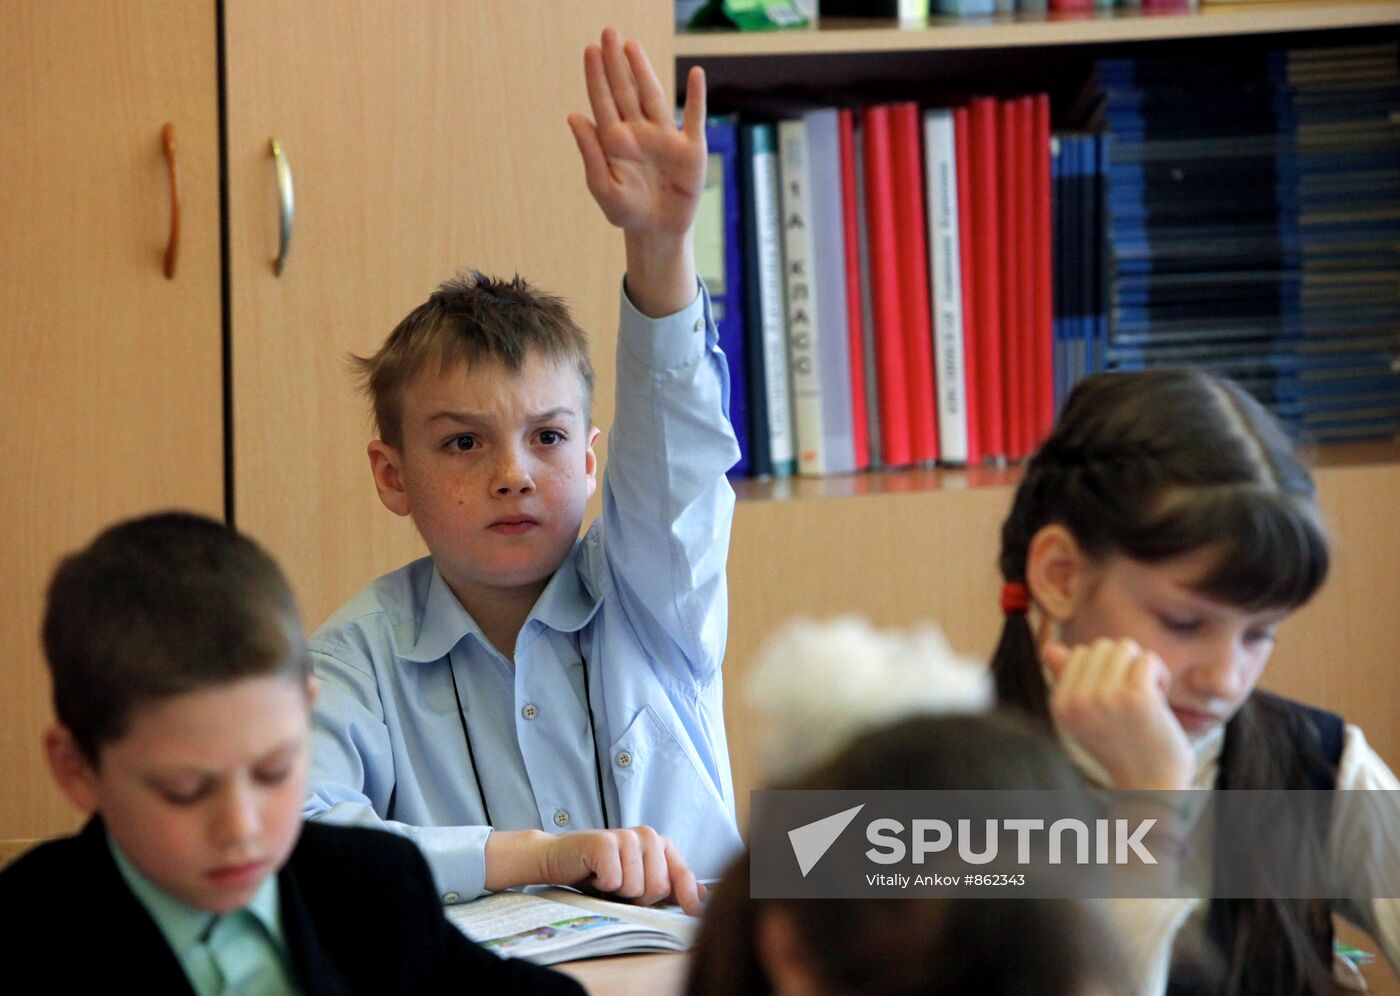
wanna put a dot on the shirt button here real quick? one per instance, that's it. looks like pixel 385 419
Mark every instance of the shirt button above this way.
pixel 699 325
pixel 561 818
pixel 450 897
pixel 623 759
pixel 530 712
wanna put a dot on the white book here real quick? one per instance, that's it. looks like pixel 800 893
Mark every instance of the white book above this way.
pixel 547 925
pixel 777 386
pixel 945 279
pixel 803 319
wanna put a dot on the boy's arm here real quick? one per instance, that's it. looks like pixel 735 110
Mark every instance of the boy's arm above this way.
pixel 666 503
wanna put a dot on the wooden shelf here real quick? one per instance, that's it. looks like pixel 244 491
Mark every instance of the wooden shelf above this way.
pixel 928 479
pixel 841 35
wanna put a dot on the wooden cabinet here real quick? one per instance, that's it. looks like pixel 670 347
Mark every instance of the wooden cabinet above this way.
pixel 424 137
pixel 112 372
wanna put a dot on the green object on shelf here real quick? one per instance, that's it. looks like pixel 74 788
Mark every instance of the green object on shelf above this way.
pixel 750 15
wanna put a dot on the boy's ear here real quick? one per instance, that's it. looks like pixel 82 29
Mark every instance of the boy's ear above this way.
pixel 386 464
pixel 70 768
pixel 1058 571
pixel 590 464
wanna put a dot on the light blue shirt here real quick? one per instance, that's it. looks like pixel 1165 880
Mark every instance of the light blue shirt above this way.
pixel 243 952
pixel 641 599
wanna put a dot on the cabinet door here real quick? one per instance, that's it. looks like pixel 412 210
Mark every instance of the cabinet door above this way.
pixel 424 137
pixel 111 376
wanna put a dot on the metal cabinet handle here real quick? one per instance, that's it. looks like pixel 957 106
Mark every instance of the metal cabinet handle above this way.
pixel 172 245
pixel 287 201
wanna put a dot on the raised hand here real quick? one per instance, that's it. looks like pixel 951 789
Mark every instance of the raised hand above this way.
pixel 1111 697
pixel 644 172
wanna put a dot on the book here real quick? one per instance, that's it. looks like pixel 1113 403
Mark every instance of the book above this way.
pixel 867 302
pixel 1008 170
pixel 945 277
pixel 805 358
pixel 970 359
pixel 855 308
pixel 911 260
pixel 765 319
pixel 719 258
pixel 547 925
pixel 883 246
pixel 986 256
pixel 826 214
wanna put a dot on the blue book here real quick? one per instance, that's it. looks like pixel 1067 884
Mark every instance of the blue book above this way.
pixel 719 257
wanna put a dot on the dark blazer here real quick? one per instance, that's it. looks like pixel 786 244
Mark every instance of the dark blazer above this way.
pixel 359 911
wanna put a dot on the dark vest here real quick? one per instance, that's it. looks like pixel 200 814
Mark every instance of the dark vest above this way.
pixel 1316 737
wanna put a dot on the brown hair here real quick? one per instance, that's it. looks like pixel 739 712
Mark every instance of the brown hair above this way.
pixel 471 319
pixel 909 946
pixel 1159 464
pixel 159 606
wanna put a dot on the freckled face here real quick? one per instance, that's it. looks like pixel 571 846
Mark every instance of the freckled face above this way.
pixel 1214 652
pixel 497 468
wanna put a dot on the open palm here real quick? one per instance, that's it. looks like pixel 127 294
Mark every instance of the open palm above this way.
pixel 644 172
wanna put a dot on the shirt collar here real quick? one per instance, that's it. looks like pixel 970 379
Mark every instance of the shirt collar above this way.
pixel 184 925
pixel 565 605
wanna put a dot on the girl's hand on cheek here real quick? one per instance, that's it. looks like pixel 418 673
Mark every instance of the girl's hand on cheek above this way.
pixel 1111 697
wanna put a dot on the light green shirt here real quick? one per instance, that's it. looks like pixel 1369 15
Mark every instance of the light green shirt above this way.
pixel 243 952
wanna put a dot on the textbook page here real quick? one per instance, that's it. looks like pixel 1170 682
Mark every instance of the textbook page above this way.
pixel 549 925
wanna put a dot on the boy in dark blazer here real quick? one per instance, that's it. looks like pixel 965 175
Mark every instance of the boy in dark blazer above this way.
pixel 183 699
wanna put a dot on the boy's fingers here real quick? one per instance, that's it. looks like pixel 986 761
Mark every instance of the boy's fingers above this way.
pixel 619 73
pixel 595 161
pixel 633 865
pixel 653 98
pixel 608 866
pixel 684 888
pixel 694 121
pixel 600 96
pixel 658 876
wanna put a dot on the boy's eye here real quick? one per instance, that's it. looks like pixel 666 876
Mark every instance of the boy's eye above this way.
pixel 462 443
pixel 273 776
pixel 551 437
pixel 1265 635
pixel 181 796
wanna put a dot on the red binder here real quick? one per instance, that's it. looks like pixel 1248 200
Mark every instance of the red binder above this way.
pixel 884 287
pixel 986 272
pixel 860 428
pixel 1044 363
pixel 911 229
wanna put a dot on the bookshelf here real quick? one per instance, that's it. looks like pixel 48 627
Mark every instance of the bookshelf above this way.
pixel 902 546
pixel 841 35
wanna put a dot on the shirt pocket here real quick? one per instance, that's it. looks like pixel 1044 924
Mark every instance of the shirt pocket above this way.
pixel 661 785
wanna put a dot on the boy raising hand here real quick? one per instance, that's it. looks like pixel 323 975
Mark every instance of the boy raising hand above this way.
pixel 529 706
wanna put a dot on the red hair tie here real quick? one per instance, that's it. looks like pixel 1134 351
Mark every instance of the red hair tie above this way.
pixel 1015 598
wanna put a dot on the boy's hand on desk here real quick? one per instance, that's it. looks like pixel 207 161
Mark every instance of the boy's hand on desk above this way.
pixel 1111 697
pixel 637 864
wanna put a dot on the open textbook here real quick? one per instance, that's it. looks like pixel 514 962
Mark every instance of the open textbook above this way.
pixel 548 925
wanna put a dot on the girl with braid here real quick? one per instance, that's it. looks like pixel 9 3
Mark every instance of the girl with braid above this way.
pixel 1157 541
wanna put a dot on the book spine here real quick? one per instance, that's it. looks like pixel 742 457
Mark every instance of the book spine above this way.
pixel 855 326
pixel 1008 223
pixel 767 219
pixel 760 454
pixel 828 231
pixel 912 263
pixel 986 245
pixel 968 296
pixel 802 317
pixel 719 260
pixel 884 285
pixel 1029 372
pixel 945 277
pixel 867 301
pixel 1043 316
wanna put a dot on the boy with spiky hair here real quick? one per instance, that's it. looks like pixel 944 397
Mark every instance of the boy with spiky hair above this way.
pixel 528 706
